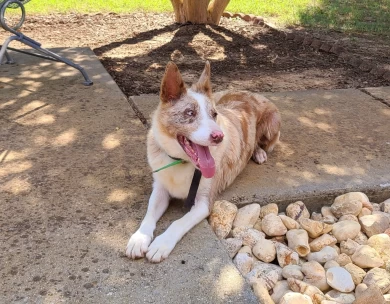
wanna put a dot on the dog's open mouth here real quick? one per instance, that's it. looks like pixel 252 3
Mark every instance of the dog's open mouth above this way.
pixel 199 155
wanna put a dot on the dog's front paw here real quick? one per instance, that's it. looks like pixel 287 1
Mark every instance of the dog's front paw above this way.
pixel 259 156
pixel 160 248
pixel 138 245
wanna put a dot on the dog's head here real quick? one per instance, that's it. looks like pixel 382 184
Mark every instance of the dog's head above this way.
pixel 189 116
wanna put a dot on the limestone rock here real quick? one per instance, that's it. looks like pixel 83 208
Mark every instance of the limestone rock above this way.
pixel 297 210
pixel 314 228
pixel 272 225
pixel 285 255
pixel 265 250
pixel 298 240
pixel 302 287
pixel 361 238
pixel 366 257
pixel 385 206
pixel 356 272
pixel 315 275
pixel 340 297
pixel 267 209
pixel 251 237
pixel 340 279
pixel 348 217
pixel 243 262
pixel 280 239
pixel 376 207
pixel 331 263
pixel 268 273
pixel 379 277
pixel 348 247
pixel 374 224
pixel 337 248
pixel 289 222
pixel 292 271
pixel 262 293
pixel 328 216
pixel 368 206
pixel 349 203
pixel 365 211
pixel 324 255
pixel 232 246
pixel 382 213
pixel 246 249
pixel 221 218
pixel 316 216
pixel 372 295
pixel 279 290
pixel 381 243
pixel 257 225
pixel 322 241
pixel 247 216
pixel 345 230
pixel 387 231
pixel 343 259
pixel 360 289
pixel 295 298
pixel 239 232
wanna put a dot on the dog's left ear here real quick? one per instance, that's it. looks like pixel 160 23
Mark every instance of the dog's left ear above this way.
pixel 204 84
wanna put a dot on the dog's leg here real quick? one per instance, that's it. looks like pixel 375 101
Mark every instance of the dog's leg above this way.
pixel 164 243
pixel 260 153
pixel 140 240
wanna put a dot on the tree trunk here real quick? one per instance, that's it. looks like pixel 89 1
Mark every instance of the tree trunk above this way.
pixel 199 11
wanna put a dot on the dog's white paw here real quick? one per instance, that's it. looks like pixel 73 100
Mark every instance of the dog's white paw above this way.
pixel 259 156
pixel 138 245
pixel 160 248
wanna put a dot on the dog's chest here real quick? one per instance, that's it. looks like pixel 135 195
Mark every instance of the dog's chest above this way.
pixel 177 179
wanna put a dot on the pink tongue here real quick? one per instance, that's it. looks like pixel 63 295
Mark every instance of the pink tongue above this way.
pixel 206 161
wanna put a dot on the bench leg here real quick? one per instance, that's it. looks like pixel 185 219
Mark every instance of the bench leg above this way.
pixel 3 50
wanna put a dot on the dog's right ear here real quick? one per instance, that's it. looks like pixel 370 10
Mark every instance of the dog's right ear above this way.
pixel 172 84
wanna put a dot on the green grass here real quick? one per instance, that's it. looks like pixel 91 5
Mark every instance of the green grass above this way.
pixel 91 6
pixel 347 15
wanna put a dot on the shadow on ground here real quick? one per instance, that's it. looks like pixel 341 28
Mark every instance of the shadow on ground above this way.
pixel 242 57
pixel 74 184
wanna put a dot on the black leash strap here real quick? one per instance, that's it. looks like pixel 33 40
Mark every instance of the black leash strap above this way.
pixel 190 201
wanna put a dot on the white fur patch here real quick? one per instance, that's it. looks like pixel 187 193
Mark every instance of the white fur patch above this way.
pixel 207 125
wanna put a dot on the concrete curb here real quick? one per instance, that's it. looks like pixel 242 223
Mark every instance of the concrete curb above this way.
pixel 320 44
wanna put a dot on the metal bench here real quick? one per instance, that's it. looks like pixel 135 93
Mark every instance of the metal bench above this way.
pixel 17 35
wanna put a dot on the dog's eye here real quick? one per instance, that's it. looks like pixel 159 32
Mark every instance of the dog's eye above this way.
pixel 190 112
pixel 214 114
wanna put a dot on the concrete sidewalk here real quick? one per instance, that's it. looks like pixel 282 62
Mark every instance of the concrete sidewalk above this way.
pixel 74 184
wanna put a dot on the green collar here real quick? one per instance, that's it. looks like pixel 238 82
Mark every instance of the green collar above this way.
pixel 177 161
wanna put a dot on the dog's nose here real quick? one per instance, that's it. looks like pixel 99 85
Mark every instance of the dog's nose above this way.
pixel 216 137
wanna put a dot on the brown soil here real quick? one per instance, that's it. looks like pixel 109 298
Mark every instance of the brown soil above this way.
pixel 135 48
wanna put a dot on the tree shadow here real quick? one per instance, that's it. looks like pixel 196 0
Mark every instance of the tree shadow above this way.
pixel 352 15
pixel 242 57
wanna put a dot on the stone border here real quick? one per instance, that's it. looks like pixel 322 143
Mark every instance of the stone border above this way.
pixel 319 45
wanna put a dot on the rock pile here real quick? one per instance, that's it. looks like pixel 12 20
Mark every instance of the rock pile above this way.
pixel 341 255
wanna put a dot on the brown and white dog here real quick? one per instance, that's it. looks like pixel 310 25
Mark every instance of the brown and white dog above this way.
pixel 217 134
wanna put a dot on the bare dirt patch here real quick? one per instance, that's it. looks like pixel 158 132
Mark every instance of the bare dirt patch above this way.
pixel 135 48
